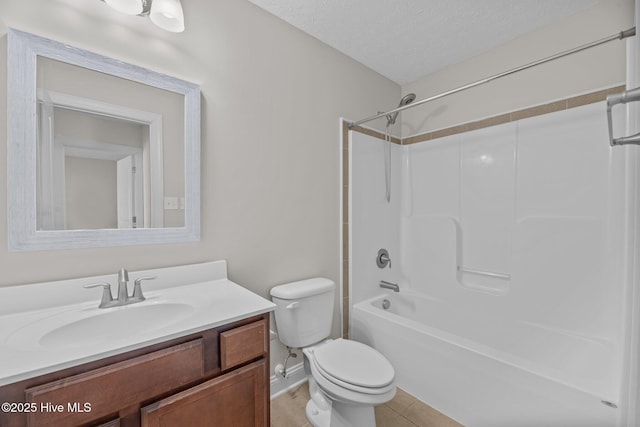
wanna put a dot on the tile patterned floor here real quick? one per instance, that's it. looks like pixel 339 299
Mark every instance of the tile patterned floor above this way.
pixel 404 410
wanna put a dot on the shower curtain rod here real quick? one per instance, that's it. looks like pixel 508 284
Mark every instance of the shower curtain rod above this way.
pixel 618 36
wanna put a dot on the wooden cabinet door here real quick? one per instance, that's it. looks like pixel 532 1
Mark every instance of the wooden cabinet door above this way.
pixel 114 387
pixel 238 398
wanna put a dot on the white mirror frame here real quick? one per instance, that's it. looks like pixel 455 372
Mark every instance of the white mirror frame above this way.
pixel 24 48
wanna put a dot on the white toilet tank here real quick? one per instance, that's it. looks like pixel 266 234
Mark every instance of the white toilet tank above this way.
pixel 304 311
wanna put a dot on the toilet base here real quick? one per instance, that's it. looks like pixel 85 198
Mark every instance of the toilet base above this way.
pixel 340 415
pixel 316 416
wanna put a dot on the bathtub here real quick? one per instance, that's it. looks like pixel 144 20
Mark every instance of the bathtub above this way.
pixel 483 371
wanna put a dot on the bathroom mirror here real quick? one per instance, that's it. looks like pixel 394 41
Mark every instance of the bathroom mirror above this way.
pixel 100 152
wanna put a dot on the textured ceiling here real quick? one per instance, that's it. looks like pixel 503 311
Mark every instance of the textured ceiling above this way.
pixel 407 39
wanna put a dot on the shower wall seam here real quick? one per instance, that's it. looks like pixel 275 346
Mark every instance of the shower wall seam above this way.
pixel 551 107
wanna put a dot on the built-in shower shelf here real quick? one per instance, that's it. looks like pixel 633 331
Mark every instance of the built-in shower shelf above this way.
pixel 504 276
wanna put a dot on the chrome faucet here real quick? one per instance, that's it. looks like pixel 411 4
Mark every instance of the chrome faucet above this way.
pixel 123 293
pixel 388 285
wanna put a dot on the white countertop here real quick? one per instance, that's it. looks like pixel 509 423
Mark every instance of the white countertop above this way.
pixel 209 303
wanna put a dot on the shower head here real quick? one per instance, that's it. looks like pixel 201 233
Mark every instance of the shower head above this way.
pixel 407 99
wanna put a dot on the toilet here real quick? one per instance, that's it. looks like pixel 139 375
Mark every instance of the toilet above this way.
pixel 346 378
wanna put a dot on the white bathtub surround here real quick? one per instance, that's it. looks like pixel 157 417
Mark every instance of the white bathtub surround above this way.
pixel 377 221
pixel 44 326
pixel 508 246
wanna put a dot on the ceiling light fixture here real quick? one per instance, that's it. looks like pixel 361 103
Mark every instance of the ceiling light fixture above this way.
pixel 166 14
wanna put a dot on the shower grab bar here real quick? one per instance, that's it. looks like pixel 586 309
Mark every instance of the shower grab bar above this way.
pixel 632 95
pixel 504 276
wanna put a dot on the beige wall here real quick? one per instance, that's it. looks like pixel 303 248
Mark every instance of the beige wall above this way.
pixel 91 193
pixel 271 101
pixel 595 68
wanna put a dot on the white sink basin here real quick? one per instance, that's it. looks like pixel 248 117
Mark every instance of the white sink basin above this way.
pixel 111 325
pixel 82 326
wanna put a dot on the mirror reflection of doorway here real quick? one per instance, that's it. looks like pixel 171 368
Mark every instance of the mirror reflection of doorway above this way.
pixel 98 166
pixel 128 180
pixel 102 188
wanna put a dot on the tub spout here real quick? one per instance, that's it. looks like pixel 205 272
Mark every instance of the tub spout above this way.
pixel 388 285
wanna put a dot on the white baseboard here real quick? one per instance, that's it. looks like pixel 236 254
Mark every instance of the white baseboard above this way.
pixel 295 377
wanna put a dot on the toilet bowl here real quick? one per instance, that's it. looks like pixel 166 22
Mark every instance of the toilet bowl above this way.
pixel 346 378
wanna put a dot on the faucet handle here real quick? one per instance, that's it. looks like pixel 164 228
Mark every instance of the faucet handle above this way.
pixel 383 260
pixel 137 288
pixel 107 297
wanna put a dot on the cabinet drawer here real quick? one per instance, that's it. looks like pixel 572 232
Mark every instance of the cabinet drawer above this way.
pixel 242 344
pixel 117 386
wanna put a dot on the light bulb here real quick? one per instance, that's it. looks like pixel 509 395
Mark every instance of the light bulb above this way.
pixel 168 15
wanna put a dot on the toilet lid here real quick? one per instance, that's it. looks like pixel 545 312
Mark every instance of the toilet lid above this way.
pixel 354 363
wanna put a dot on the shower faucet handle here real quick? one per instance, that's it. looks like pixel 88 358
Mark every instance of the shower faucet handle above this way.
pixel 383 260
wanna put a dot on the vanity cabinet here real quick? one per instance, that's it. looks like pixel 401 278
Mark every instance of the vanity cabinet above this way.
pixel 215 377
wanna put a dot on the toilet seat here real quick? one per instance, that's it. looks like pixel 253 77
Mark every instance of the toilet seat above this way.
pixel 351 394
pixel 354 363
pixel 350 387
pixel 353 366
